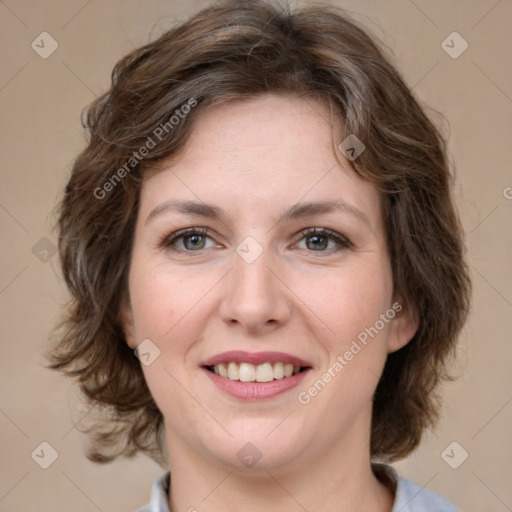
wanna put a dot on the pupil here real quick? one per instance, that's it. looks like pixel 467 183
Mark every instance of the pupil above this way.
pixel 316 238
pixel 195 238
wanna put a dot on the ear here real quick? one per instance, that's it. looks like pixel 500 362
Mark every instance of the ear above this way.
pixel 403 326
pixel 126 319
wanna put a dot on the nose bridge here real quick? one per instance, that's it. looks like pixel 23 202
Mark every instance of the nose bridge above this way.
pixel 253 296
pixel 252 278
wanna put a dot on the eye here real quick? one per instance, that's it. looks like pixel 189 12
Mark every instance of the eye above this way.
pixel 190 239
pixel 317 240
pixel 195 239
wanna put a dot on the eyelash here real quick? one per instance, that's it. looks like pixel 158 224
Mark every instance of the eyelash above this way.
pixel 169 240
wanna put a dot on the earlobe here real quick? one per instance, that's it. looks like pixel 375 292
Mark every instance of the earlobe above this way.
pixel 126 319
pixel 403 326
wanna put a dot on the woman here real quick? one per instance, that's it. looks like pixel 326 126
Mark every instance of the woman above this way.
pixel 266 265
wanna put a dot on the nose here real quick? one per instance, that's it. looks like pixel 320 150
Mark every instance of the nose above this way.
pixel 255 296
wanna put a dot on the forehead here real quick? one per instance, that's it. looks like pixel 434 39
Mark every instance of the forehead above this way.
pixel 262 154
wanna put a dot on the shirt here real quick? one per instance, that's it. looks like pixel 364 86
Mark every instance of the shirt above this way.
pixel 409 497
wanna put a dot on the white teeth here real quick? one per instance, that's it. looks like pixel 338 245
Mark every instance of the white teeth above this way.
pixel 223 369
pixel 264 372
pixel 247 372
pixel 233 372
pixel 278 370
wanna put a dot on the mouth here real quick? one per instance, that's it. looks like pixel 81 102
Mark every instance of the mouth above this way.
pixel 254 376
pixel 247 372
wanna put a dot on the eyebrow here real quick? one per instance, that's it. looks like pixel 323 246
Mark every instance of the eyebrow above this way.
pixel 297 211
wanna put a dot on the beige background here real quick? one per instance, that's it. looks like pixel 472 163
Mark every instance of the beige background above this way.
pixel 40 101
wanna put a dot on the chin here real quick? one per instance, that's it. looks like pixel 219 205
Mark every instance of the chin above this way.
pixel 258 446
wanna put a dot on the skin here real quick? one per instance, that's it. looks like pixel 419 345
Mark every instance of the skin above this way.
pixel 255 159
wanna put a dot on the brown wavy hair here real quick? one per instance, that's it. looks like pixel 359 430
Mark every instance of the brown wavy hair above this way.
pixel 237 50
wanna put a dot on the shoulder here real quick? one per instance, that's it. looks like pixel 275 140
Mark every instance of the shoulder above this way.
pixel 410 497
pixel 159 494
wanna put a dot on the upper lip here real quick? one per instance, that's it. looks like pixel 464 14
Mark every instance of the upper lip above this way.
pixel 240 356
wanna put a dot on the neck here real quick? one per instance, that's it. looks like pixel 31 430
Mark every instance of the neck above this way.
pixel 337 480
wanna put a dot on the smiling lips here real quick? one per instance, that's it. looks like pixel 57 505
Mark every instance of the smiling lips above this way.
pixel 247 372
pixel 261 367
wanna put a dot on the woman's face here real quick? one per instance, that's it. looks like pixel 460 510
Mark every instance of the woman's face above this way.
pixel 262 291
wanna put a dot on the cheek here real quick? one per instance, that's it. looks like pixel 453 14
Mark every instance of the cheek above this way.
pixel 165 306
pixel 349 300
pixel 357 347
pixel 162 301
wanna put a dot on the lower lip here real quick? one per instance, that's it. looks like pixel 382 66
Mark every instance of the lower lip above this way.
pixel 255 390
